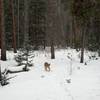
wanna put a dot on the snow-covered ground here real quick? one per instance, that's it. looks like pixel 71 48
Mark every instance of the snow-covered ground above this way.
pixel 37 84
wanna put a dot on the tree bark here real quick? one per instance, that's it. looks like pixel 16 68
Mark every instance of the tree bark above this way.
pixel 13 27
pixel 52 16
pixel 83 45
pixel 2 33
pixel 26 23
pixel 52 50
pixel 0 37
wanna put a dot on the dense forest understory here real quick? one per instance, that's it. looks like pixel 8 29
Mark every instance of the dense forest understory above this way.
pixel 61 23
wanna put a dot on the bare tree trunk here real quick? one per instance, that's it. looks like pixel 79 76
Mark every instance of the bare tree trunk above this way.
pixel 26 23
pixel 3 44
pixel 83 45
pixel 52 50
pixel 0 37
pixel 13 27
pixel 52 24
pixel 18 25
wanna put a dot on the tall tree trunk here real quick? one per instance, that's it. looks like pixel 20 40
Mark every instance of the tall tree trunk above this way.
pixel 13 27
pixel 52 50
pixel 52 16
pixel 26 23
pixel 0 37
pixel 2 33
pixel 18 25
pixel 83 45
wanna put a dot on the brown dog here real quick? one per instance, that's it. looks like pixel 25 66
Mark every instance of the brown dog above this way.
pixel 47 66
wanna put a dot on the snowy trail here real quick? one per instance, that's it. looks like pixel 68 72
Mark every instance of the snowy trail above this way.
pixel 86 83
pixel 40 85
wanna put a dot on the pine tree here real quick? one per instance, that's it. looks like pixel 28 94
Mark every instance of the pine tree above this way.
pixel 24 56
pixel 26 30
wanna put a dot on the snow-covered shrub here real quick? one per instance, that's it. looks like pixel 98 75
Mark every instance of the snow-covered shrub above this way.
pixel 3 77
pixel 25 57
